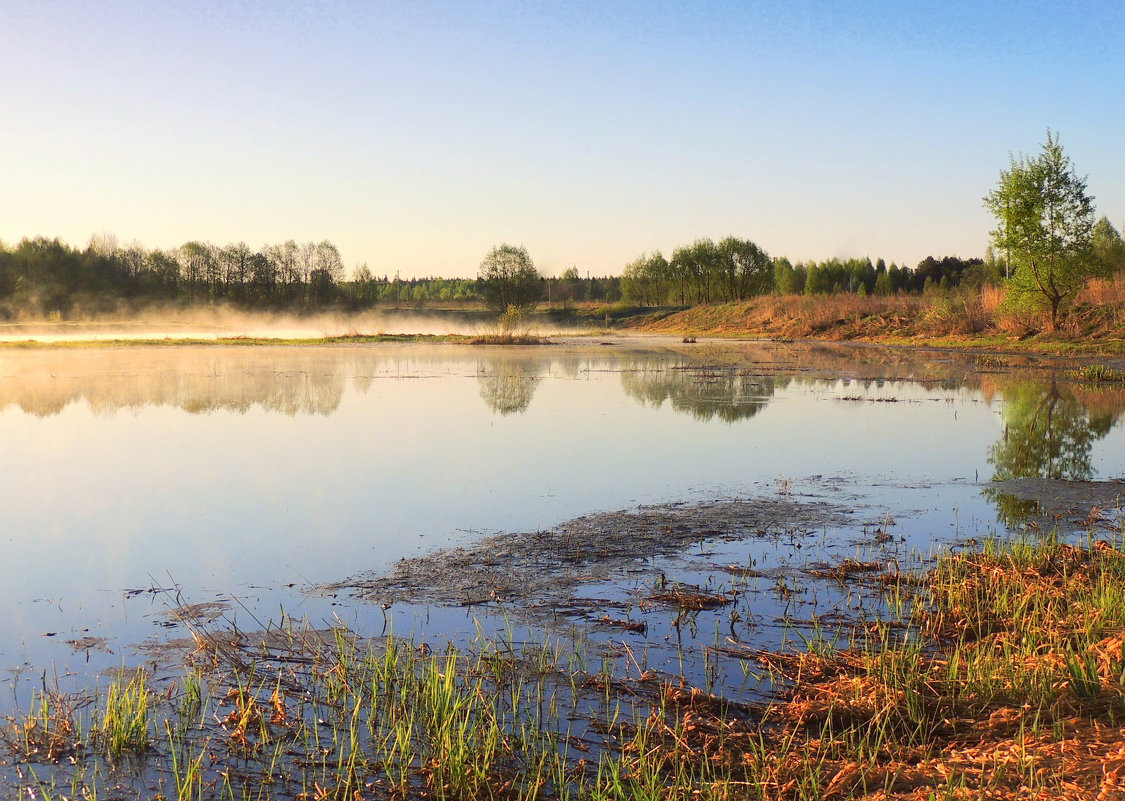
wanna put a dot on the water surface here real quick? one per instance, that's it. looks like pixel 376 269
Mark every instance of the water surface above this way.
pixel 137 477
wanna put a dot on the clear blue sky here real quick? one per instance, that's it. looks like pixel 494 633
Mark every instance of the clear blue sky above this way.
pixel 417 135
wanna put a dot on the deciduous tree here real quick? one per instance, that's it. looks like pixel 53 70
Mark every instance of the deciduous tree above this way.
pixel 1044 220
pixel 508 278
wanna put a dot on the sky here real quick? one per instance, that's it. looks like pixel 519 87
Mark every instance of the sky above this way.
pixel 416 136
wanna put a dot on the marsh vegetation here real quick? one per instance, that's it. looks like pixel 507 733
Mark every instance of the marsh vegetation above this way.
pixel 998 671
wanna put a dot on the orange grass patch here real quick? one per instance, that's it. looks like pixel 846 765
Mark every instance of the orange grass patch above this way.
pixel 1008 682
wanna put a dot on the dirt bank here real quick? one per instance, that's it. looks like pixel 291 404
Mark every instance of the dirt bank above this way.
pixel 951 321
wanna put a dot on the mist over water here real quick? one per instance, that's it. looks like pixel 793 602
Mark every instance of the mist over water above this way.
pixel 225 322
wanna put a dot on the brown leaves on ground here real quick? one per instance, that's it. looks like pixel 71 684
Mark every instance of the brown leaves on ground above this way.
pixel 1010 685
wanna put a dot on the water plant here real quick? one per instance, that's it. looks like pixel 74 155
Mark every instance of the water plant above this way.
pixel 1101 373
pixel 126 723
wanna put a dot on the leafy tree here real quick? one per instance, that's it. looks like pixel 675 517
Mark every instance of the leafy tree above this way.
pixel 161 272
pixel 569 285
pixel 195 264
pixel 646 280
pixel 819 279
pixel 1044 220
pixel 785 277
pixel 326 258
pixel 697 267
pixel 508 278
pixel 745 268
pixel 1109 248
pixel 946 273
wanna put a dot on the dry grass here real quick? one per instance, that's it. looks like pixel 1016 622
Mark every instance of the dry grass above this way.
pixel 1104 291
pixel 508 339
pixel 1098 314
pixel 1009 683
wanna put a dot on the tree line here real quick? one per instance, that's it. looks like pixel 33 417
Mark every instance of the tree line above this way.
pixel 49 277
pixel 735 269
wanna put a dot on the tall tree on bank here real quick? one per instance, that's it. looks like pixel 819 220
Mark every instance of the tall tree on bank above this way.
pixel 1044 220
pixel 508 278
pixel 646 281
pixel 746 269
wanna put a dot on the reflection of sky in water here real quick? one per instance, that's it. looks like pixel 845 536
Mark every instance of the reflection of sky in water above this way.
pixel 304 465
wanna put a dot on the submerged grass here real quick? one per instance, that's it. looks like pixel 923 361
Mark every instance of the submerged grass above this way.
pixel 126 723
pixel 995 674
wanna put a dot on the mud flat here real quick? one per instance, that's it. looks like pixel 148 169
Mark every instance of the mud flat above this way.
pixel 541 569
pixel 1066 499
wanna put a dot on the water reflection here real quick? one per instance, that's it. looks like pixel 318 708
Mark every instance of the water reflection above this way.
pixel 704 392
pixel 299 381
pixel 507 385
pixel 304 464
pixel 1049 433
pixel 198 381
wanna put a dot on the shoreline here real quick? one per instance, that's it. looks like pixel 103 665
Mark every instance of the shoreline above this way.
pixel 633 333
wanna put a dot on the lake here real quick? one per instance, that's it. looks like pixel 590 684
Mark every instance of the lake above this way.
pixel 139 480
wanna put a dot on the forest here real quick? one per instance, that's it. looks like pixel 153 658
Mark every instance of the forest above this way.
pixel 43 277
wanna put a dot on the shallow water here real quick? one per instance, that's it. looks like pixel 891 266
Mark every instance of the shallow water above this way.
pixel 136 479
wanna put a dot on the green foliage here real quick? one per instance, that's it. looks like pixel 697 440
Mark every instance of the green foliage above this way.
pixel 647 280
pixel 47 277
pixel 126 720
pixel 857 276
pixel 1047 434
pixel 695 268
pixel 787 279
pixel 745 269
pixel 701 272
pixel 1109 248
pixel 1045 221
pixel 508 278
pixel 948 272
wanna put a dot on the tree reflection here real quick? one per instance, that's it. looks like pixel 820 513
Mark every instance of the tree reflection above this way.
pixel 506 385
pixel 703 392
pixel 1048 433
pixel 196 381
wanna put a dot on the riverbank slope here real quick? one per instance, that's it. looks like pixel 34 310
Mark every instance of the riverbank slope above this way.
pixel 1093 326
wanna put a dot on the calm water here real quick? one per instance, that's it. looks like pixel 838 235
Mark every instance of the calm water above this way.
pixel 249 475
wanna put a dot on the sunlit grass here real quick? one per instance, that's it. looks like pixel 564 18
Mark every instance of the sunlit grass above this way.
pixel 126 716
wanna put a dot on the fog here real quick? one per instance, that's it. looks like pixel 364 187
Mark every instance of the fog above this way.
pixel 222 322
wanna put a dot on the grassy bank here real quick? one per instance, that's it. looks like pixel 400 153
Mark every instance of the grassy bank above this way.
pixel 1095 324
pixel 996 674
